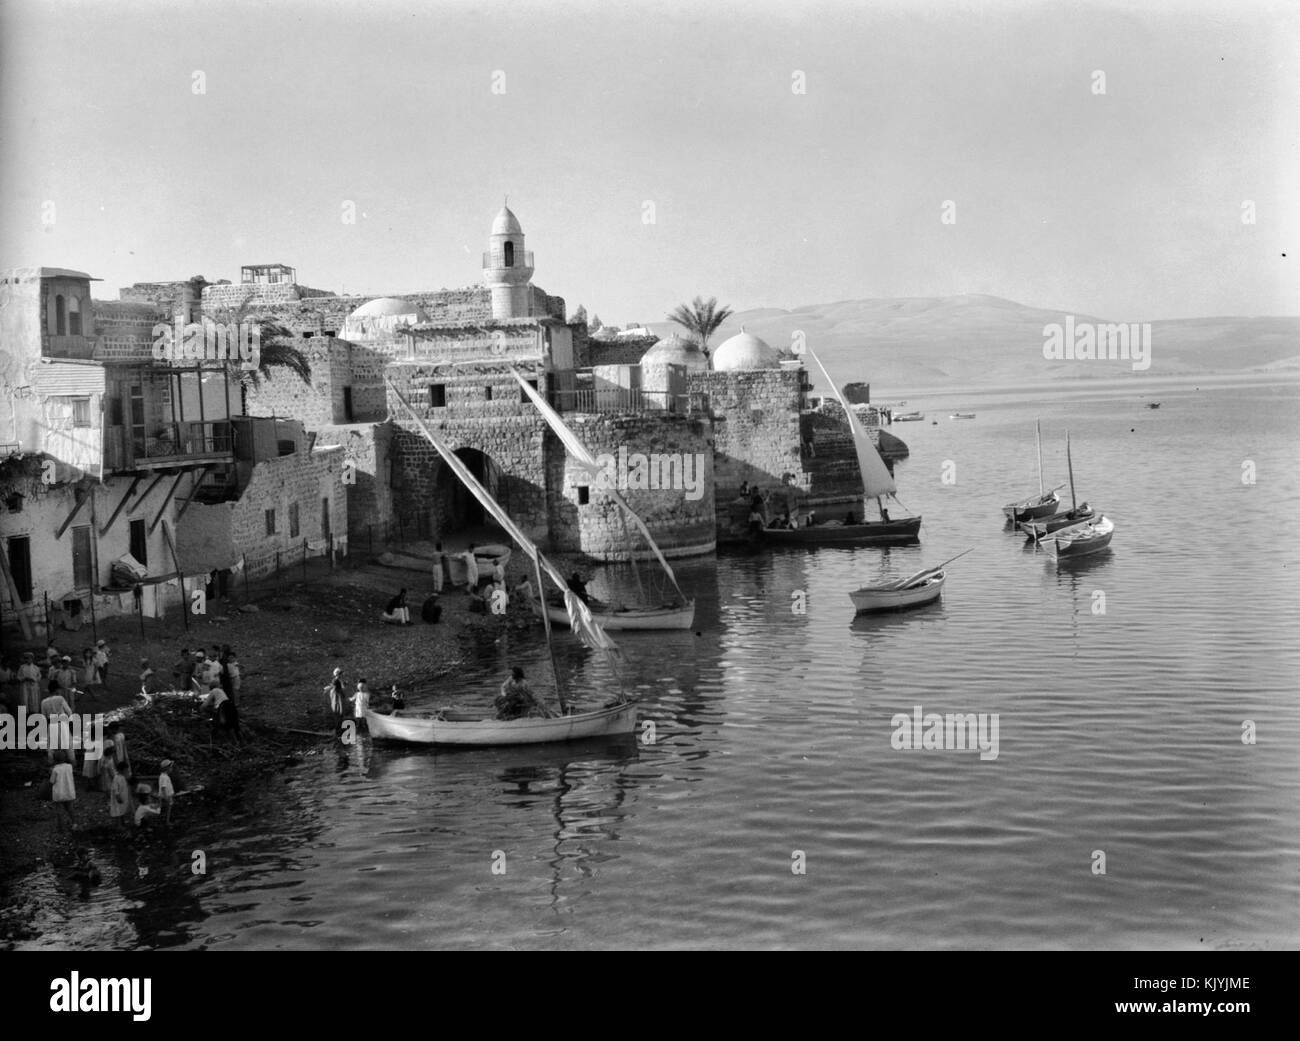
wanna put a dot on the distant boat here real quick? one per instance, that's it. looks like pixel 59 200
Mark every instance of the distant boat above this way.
pixel 1041 505
pixel 1081 539
pixel 909 417
pixel 962 415
pixel 1076 514
pixel 877 482
pixel 1153 404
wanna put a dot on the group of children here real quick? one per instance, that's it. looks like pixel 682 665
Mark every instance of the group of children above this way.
pixel 24 678
pixel 359 701
pixel 132 801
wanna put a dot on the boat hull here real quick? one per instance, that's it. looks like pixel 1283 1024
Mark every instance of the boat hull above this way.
pixel 881 598
pixel 1083 539
pixel 904 530
pixel 1032 509
pixel 1035 530
pixel 491 733
pixel 633 618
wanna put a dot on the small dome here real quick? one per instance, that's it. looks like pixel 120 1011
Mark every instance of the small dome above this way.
pixel 745 351
pixel 386 306
pixel 676 351
pixel 506 223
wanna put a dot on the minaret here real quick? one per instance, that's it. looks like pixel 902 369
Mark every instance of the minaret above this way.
pixel 507 267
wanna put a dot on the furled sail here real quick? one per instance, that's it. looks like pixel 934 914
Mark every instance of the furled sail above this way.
pixel 580 619
pixel 876 479
pixel 579 452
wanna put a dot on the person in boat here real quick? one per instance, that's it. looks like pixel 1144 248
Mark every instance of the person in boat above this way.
pixel 395 697
pixel 850 518
pixel 810 519
pixel 579 587
pixel 517 700
pixel 884 513
pixel 755 521
pixel 397 613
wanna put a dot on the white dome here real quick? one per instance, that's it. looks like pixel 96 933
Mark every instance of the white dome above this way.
pixel 676 351
pixel 745 351
pixel 506 223
pixel 386 306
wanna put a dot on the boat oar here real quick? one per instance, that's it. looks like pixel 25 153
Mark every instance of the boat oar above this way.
pixel 904 583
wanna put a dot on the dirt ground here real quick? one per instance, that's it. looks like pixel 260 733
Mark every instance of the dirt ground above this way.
pixel 289 635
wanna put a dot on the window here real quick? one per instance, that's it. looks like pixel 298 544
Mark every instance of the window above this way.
pixel 74 316
pixel 438 395
pixel 270 522
pixel 487 393
pixel 81 412
pixel 523 394
pixel 293 520
pixel 584 495
pixel 510 254
pixel 139 543
pixel 60 316
pixel 83 569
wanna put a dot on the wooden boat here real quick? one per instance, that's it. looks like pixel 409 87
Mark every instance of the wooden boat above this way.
pixel 464 728
pixel 668 616
pixel 1153 404
pixel 834 533
pixel 887 598
pixel 877 482
pixel 681 613
pixel 448 727
pixel 1036 529
pixel 1082 539
pixel 909 417
pixel 487 558
pixel 1044 504
pixel 962 415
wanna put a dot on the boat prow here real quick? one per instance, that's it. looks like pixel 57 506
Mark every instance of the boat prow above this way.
pixel 453 728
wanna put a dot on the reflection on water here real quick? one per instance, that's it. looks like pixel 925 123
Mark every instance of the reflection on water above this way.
pixel 1122 681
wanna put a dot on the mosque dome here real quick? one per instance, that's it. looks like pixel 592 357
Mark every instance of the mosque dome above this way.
pixel 387 306
pixel 675 351
pixel 506 223
pixel 745 351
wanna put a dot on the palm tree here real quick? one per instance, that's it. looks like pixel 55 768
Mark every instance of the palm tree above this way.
pixel 701 319
pixel 276 350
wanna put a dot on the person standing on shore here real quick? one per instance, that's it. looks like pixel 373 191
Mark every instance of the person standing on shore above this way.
pixel 336 696
pixel 89 670
pixel 64 787
pixel 166 792
pixel 234 672
pixel 101 662
pixel 471 569
pixel 29 684
pixel 438 567
pixel 57 711
pixel 121 761
pixel 120 809
pixel 66 676
pixel 360 701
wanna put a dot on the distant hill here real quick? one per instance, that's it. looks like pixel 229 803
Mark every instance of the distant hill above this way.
pixel 959 340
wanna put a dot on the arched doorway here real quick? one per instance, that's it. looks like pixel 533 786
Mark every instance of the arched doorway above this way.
pixel 459 508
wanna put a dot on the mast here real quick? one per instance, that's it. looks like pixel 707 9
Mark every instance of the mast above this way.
pixel 1038 429
pixel 550 647
pixel 1074 504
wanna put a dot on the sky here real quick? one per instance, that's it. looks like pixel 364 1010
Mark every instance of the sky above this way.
pixel 655 152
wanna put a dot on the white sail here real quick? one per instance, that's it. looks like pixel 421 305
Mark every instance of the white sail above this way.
pixel 579 452
pixel 876 479
pixel 580 619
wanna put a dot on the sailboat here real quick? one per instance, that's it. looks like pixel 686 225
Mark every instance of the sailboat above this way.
pixel 1043 504
pixel 449 727
pixel 877 482
pixel 1076 514
pixel 678 614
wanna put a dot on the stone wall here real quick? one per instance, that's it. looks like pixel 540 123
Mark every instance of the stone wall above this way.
pixel 367 465
pixel 283 394
pixel 627 351
pixel 669 454
pixel 124 329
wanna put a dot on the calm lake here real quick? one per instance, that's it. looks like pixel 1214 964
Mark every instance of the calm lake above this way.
pixel 1121 685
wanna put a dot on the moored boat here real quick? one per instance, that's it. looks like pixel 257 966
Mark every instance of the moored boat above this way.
pixel 467 729
pixel 1044 504
pixel 486 557
pixel 962 415
pixel 1036 529
pixel 888 598
pixel 1082 539
pixel 607 616
pixel 909 417
pixel 834 533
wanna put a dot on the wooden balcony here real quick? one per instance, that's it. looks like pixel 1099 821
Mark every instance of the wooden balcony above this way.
pixel 170 445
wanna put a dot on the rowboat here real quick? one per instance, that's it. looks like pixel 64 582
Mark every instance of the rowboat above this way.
pixel 487 557
pixel 1082 539
pixel 833 533
pixel 448 727
pixel 668 616
pixel 962 415
pixel 1153 404
pixel 464 728
pixel 1044 504
pixel 887 598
